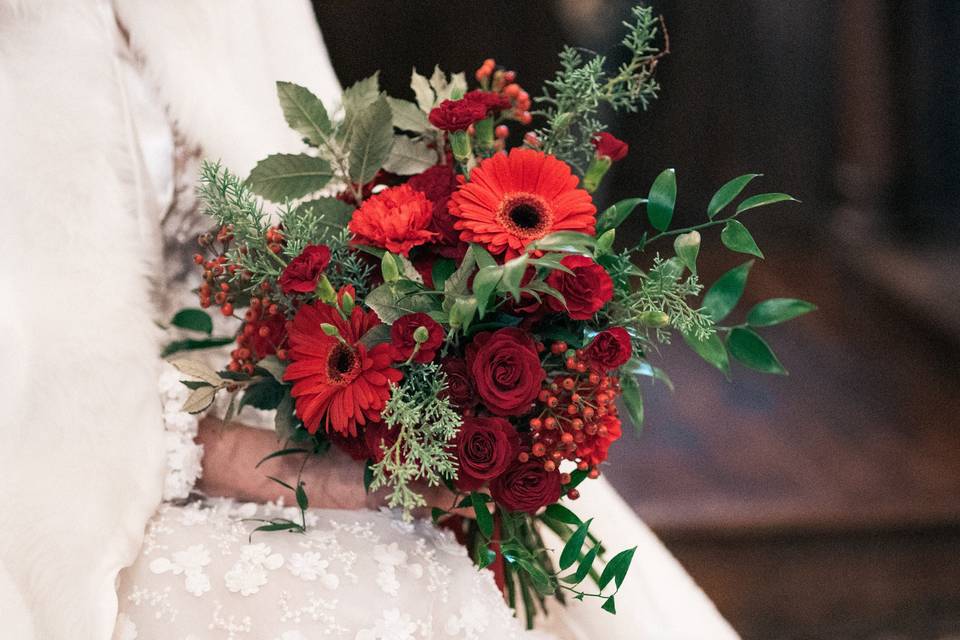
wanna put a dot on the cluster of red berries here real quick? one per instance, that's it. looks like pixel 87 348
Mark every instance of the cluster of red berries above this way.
pixel 218 286
pixel 264 333
pixel 503 82
pixel 577 420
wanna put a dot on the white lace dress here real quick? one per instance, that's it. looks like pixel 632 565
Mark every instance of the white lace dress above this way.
pixel 356 575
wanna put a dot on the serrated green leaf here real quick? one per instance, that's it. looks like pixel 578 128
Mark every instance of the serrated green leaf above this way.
pixel 194 320
pixel 750 349
pixel 482 256
pixel 687 248
pixel 609 605
pixel 712 350
pixel 408 157
pixel 304 112
pixel 662 199
pixel 197 369
pixel 360 95
pixel 288 176
pixel 331 212
pixel 614 215
pixel 723 296
pixel 391 301
pixel 616 568
pixel 777 310
pixel 728 193
pixel 736 238
pixel 763 199
pixel 571 550
pixel 408 117
pixel 633 400
pixel 370 141
pixel 457 284
pixel 484 519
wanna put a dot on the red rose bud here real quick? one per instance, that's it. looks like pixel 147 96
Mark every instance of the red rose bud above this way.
pixel 610 146
pixel 303 272
pixel 506 370
pixel 485 448
pixel 585 291
pixel 407 338
pixel 457 115
pixel 610 349
pixel 526 486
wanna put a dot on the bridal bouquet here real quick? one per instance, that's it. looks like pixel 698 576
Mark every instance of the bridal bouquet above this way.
pixel 452 309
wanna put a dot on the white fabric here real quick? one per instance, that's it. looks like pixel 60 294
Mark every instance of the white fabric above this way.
pixel 183 454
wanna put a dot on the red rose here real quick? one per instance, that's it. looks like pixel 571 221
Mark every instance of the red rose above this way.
pixel 585 291
pixel 457 115
pixel 403 342
pixel 609 145
pixel 396 219
pixel 302 273
pixel 610 348
pixel 485 447
pixel 494 103
pixel 459 388
pixel 506 370
pixel 526 486
pixel 376 436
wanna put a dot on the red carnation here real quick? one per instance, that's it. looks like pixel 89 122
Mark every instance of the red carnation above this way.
pixel 403 340
pixel 526 486
pixel 457 115
pixel 494 103
pixel 396 219
pixel 485 447
pixel 610 146
pixel 610 348
pixel 459 389
pixel 506 370
pixel 585 291
pixel 302 273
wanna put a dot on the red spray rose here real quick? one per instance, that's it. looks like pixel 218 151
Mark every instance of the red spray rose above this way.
pixel 438 183
pixel 396 219
pixel 403 343
pixel 526 486
pixel 506 370
pixel 459 387
pixel 494 103
pixel 457 115
pixel 610 348
pixel 610 146
pixel 302 273
pixel 586 290
pixel 485 447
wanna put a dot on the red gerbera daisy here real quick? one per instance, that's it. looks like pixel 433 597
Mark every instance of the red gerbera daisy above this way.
pixel 513 200
pixel 337 380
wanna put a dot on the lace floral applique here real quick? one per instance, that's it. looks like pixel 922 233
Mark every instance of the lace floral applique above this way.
pixel 312 566
pixel 189 562
pixel 393 625
pixel 250 572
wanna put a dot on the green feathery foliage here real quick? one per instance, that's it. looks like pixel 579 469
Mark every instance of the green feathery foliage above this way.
pixel 426 423
pixel 571 102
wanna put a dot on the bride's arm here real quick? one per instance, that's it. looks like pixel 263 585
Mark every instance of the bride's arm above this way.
pixel 231 452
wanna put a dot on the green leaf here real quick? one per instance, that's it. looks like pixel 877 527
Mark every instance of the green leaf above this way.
pixel 565 241
pixel 482 256
pixel 408 117
pixel 304 112
pixel 194 320
pixel 465 310
pixel 571 550
pixel 332 213
pixel 616 568
pixel 199 399
pixel 662 199
pixel 728 193
pixel 443 268
pixel 435 512
pixel 559 512
pixel 615 214
pixel 633 400
pixel 513 272
pixel 723 296
pixel 264 395
pixel 777 310
pixel 178 346
pixel 370 141
pixel 484 284
pixel 408 157
pixel 711 350
pixel 280 453
pixel 609 606
pixel 301 493
pixel 484 519
pixel 762 199
pixel 393 300
pixel 281 483
pixel 687 248
pixel 456 284
pixel 750 349
pixel 426 99
pixel 285 422
pixel 484 556
pixel 605 242
pixel 273 366
pixel 359 96
pixel 736 238
pixel 287 176
pixel 368 478
pixel 584 567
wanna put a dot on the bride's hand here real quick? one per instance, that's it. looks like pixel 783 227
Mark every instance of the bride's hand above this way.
pixel 231 452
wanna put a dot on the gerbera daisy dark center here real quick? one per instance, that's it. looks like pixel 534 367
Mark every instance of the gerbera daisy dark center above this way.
pixel 526 215
pixel 342 363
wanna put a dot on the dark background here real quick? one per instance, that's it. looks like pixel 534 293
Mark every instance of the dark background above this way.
pixel 825 504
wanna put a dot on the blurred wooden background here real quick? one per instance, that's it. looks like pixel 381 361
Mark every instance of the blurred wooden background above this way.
pixel 825 504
